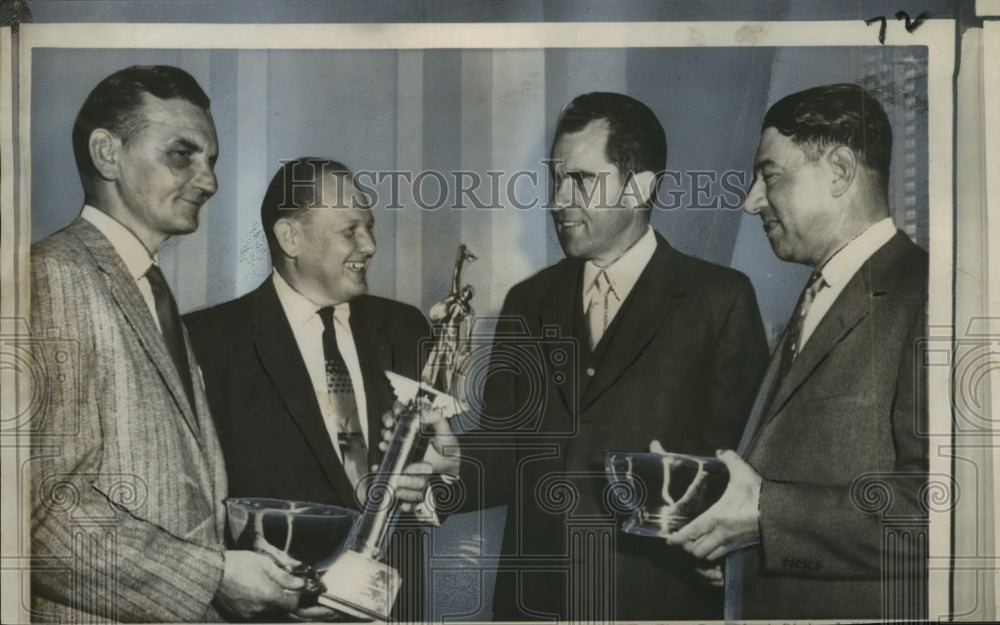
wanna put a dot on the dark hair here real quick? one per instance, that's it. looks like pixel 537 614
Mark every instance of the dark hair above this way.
pixel 636 141
pixel 293 187
pixel 841 114
pixel 115 101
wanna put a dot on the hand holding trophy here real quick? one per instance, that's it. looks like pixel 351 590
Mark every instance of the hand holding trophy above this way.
pixel 357 579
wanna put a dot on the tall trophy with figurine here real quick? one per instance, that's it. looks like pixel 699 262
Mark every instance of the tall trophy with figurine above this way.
pixel 357 579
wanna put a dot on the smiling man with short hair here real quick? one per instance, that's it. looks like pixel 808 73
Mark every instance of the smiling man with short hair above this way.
pixel 128 424
pixel 839 410
pixel 294 370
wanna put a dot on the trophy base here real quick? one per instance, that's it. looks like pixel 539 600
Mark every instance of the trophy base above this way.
pixel 360 586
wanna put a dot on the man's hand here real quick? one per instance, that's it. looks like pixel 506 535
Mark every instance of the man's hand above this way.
pixel 442 452
pixel 318 613
pixel 711 574
pixel 441 458
pixel 252 583
pixel 732 522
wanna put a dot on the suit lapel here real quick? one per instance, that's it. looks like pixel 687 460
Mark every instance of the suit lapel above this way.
pixel 638 321
pixel 559 308
pixel 851 307
pixel 366 325
pixel 126 295
pixel 279 356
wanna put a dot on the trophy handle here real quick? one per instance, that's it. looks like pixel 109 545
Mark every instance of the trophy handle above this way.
pixel 375 525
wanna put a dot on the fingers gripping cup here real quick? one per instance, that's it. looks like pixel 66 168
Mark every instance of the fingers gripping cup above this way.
pixel 284 530
pixel 663 491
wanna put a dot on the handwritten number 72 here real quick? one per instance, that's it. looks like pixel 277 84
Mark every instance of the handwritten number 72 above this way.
pixel 911 25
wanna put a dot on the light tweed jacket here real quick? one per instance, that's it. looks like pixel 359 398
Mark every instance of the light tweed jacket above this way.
pixel 127 480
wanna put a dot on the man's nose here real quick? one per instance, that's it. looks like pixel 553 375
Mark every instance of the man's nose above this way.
pixel 366 242
pixel 563 196
pixel 756 200
pixel 205 181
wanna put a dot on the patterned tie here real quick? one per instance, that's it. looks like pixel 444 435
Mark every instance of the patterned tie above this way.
pixel 598 312
pixel 793 332
pixel 170 326
pixel 350 438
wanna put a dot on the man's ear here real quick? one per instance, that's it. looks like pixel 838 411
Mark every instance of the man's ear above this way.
pixel 288 235
pixel 638 189
pixel 844 167
pixel 105 152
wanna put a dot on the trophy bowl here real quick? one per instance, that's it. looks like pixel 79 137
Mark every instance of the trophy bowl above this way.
pixel 663 491
pixel 308 532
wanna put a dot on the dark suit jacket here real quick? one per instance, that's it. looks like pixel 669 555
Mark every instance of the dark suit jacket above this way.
pixel 127 515
pixel 680 362
pixel 264 405
pixel 845 423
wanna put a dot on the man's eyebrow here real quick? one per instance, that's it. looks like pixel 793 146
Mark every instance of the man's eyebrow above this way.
pixel 767 162
pixel 187 144
pixel 363 220
pixel 192 146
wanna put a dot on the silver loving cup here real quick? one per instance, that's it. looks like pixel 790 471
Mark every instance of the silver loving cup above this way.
pixel 286 531
pixel 663 491
pixel 357 579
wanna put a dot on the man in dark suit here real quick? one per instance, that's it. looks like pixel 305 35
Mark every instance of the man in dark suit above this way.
pixel 837 416
pixel 289 427
pixel 666 346
pixel 127 514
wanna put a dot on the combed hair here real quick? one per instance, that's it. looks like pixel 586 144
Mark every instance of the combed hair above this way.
pixel 636 141
pixel 292 188
pixel 114 104
pixel 842 114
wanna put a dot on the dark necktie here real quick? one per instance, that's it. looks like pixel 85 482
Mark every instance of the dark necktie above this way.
pixel 793 332
pixel 350 438
pixel 170 326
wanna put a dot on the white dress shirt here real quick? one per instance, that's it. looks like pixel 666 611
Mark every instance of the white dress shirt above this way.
pixel 839 270
pixel 307 328
pixel 133 253
pixel 622 275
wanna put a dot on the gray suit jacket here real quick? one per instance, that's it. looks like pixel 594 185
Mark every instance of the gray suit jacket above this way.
pixel 128 478
pixel 839 433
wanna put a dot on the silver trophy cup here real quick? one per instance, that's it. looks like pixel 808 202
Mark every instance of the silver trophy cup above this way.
pixel 287 530
pixel 663 491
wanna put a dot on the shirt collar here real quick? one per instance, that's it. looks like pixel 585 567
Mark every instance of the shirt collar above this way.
pixel 133 253
pixel 624 271
pixel 846 262
pixel 300 309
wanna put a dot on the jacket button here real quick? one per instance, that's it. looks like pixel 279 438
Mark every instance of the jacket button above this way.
pixel 590 372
